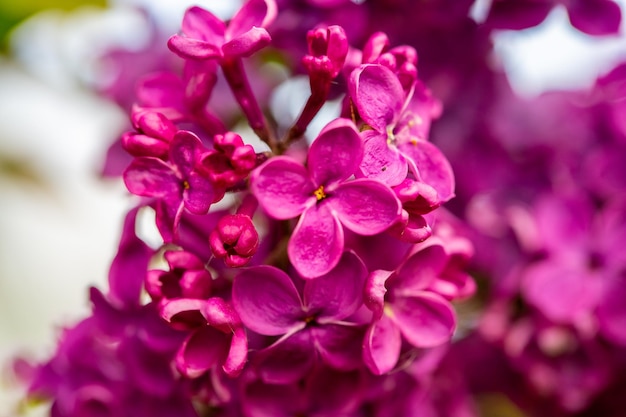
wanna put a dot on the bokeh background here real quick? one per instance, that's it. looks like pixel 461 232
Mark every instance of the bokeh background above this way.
pixel 59 220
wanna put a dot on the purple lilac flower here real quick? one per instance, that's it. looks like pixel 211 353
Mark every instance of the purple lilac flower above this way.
pixel 325 198
pixel 311 327
pixel 405 307
pixel 177 183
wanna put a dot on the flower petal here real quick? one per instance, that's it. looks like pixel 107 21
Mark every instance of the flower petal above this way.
pixel 382 162
pixel 595 17
pixel 189 48
pixel 425 319
pixel 336 153
pixel 267 301
pixel 339 293
pixel 375 290
pixel 283 187
pixel 254 13
pixel 377 95
pixel 419 270
pixel 199 196
pixel 316 244
pixel 366 207
pixel 287 360
pixel 381 346
pixel 151 177
pixel 562 293
pixel 237 354
pixel 339 346
pixel 247 43
pixel 433 168
pixel 201 24
pixel 184 151
pixel 204 348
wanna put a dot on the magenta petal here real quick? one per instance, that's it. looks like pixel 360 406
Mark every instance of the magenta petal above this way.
pixel 287 360
pixel 595 17
pixel 339 346
pixel 339 293
pixel 516 15
pixel 189 48
pixel 381 346
pixel 151 177
pixel 282 187
pixel 336 153
pixel 248 43
pixel 419 270
pixel 316 244
pixel 184 151
pixel 130 265
pixel 375 290
pixel 382 162
pixel 562 293
pixel 204 348
pixel 237 354
pixel 184 313
pixel 425 319
pixel 267 301
pixel 199 196
pixel 201 24
pixel 432 166
pixel 366 207
pixel 377 95
pixel 254 13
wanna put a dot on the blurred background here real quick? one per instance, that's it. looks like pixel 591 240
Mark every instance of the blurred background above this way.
pixel 59 219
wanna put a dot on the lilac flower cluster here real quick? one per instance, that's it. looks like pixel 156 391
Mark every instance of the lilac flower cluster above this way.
pixel 317 274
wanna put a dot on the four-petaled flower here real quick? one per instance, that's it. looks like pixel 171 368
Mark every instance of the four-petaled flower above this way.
pixel 325 197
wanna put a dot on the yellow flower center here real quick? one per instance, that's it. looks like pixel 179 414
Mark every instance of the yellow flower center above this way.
pixel 319 193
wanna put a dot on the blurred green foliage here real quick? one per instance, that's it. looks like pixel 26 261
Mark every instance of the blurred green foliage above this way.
pixel 12 12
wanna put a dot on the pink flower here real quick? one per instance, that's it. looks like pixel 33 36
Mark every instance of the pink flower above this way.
pixel 216 335
pixel 313 325
pixel 207 37
pixel 325 198
pixel 404 306
pixel 397 142
pixel 177 184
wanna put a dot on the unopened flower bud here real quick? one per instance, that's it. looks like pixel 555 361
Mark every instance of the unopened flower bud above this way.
pixel 234 239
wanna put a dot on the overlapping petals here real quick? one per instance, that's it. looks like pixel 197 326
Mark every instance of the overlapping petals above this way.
pixel 325 198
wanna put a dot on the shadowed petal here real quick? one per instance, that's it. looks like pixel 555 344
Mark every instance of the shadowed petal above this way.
pixel 336 153
pixel 237 354
pixel 419 270
pixel 365 206
pixel 339 346
pixel 267 301
pixel 377 95
pixel 381 346
pixel 425 319
pixel 316 244
pixel 562 293
pixel 204 348
pixel 595 17
pixel 283 187
pixel 287 360
pixel 339 293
